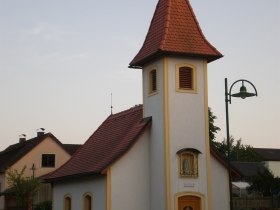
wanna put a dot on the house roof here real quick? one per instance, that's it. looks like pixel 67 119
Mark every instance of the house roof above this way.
pixel 174 30
pixel 15 152
pixel 249 169
pixel 268 154
pixel 110 141
pixel 71 148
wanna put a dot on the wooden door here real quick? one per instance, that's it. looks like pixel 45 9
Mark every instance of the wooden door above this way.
pixel 188 203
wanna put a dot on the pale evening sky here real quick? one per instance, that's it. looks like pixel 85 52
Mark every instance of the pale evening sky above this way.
pixel 61 60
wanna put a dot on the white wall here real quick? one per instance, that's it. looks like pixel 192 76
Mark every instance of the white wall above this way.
pixel 130 178
pixel 274 167
pixel 153 106
pixel 187 128
pixel 76 188
pixel 220 189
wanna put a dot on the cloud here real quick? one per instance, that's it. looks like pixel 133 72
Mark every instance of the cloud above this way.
pixel 44 31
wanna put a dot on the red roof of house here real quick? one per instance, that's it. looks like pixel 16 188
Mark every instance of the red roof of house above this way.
pixel 110 141
pixel 174 30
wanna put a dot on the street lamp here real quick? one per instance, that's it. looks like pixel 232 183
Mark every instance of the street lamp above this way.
pixel 242 94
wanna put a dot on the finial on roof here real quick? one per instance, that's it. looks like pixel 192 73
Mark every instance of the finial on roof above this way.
pixel 111 103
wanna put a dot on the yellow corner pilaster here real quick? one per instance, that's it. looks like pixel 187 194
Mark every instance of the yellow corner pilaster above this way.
pixel 166 134
pixel 207 143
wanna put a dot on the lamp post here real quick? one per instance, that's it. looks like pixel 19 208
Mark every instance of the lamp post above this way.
pixel 242 94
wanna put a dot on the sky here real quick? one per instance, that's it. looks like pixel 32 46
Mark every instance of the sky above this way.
pixel 61 60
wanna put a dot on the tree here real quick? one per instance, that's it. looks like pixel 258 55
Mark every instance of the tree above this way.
pixel 265 184
pixel 212 128
pixel 239 151
pixel 23 187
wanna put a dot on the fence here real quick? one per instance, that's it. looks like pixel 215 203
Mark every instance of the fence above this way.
pixel 256 203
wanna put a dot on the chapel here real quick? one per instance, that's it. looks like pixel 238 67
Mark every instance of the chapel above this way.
pixel 156 155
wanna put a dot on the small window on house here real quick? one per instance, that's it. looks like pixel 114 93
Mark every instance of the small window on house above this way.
pixel 87 202
pixel 67 202
pixel 188 161
pixel 153 81
pixel 186 78
pixel 48 160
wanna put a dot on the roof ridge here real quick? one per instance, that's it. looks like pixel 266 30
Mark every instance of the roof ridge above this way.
pixel 199 28
pixel 167 24
pixel 125 112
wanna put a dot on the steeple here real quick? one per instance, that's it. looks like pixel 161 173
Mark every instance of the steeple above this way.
pixel 174 30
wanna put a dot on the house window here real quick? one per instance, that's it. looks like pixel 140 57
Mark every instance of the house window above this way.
pixel 152 81
pixel 48 160
pixel 188 162
pixel 87 201
pixel 67 202
pixel 186 78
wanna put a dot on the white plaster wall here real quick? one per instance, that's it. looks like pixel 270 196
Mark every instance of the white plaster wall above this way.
pixel 76 188
pixel 220 188
pixel 274 167
pixel 187 129
pixel 130 178
pixel 153 106
pixel 2 181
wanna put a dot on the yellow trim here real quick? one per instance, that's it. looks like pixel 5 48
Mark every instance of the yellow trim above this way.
pixel 207 143
pixel 150 91
pixel 196 194
pixel 108 190
pixel 166 133
pixel 194 79
pixel 68 195
pixel 84 201
pixel 143 93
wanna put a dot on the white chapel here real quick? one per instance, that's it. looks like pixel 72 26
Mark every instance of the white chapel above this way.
pixel 154 156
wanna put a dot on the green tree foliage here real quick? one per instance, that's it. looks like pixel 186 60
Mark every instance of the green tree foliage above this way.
pixel 265 184
pixel 212 128
pixel 239 151
pixel 22 186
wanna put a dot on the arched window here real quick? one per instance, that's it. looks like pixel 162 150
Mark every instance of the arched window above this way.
pixel 67 202
pixel 186 78
pixel 87 201
pixel 152 77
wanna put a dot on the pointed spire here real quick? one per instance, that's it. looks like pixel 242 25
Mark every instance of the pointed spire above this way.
pixel 174 30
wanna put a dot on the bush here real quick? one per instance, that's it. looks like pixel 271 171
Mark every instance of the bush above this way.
pixel 47 205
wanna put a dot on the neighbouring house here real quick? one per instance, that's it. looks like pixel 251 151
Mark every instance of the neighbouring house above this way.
pixel 249 169
pixel 271 158
pixel 40 155
pixel 156 155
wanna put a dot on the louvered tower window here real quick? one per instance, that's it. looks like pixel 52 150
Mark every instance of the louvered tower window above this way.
pixel 186 78
pixel 153 82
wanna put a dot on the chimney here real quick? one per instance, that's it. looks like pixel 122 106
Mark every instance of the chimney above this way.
pixel 40 131
pixel 22 138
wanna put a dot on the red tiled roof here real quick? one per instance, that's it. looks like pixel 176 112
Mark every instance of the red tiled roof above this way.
pixel 174 30
pixel 110 141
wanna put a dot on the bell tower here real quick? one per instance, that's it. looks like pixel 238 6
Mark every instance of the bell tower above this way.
pixel 174 60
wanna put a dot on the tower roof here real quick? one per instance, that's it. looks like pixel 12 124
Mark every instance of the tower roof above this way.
pixel 174 30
